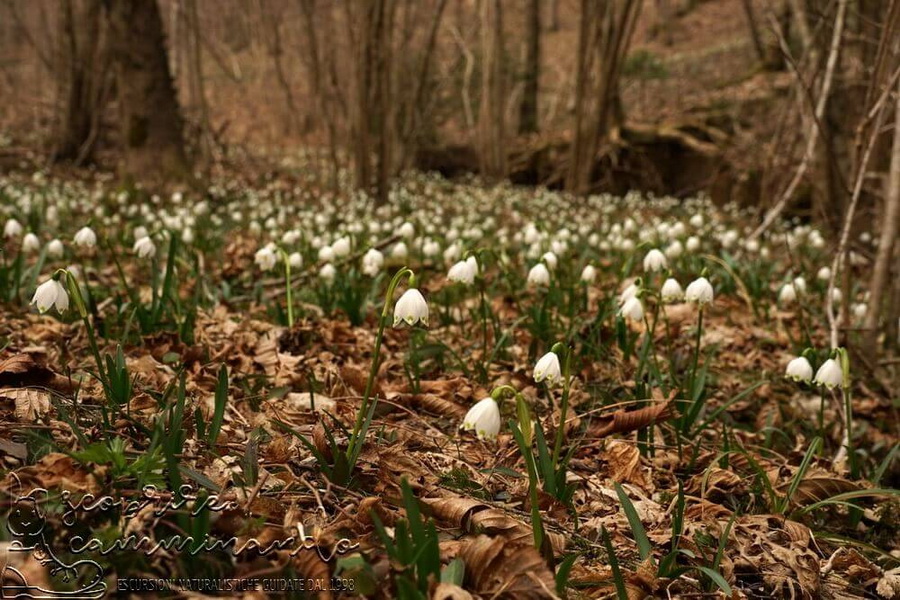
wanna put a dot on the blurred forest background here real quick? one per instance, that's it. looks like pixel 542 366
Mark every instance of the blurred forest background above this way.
pixel 771 103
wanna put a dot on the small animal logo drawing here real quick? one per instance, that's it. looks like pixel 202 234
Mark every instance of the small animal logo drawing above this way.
pixel 80 580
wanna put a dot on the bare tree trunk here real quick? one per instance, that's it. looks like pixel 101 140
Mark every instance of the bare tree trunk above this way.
pixel 198 93
pixel 81 57
pixel 554 15
pixel 755 35
pixel 881 271
pixel 152 127
pixel 360 135
pixel 491 115
pixel 416 125
pixel 604 39
pixel 324 88
pixel 798 9
pixel 528 114
pixel 383 113
pixel 272 23
pixel 818 115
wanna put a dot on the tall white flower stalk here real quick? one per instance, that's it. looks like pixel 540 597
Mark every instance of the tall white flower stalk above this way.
pixel 411 312
pixel 699 292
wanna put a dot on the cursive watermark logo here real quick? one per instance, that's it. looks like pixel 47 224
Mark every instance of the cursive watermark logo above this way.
pixel 84 579
pixel 81 579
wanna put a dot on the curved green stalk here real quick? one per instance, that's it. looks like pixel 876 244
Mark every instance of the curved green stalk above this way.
pixel 367 409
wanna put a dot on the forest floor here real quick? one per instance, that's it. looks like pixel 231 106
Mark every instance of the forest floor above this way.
pixel 689 465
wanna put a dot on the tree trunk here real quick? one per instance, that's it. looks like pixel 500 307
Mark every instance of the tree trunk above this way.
pixel 491 129
pixel 528 114
pixel 83 80
pixel 890 224
pixel 604 40
pixel 152 127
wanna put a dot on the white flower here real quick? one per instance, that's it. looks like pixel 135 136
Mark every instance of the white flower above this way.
pixel 431 248
pixel 30 243
pixel 341 247
pixel 464 271
pixel 655 261
pixel 327 272
pixel 589 274
pixel 140 231
pixel 326 254
pixel 799 369
pixel 372 261
pixel 859 310
pixel 675 249
pixel 697 221
pixel 55 249
pixel 830 374
pixel 547 368
pixel 800 285
pixel 12 229
pixel 787 294
pixel 671 291
pixel 399 250
pixel 86 238
pixel 265 258
pixel 692 244
pixel 550 259
pixel 628 293
pixel 406 230
pixel 295 260
pixel 824 274
pixel 144 247
pixel 411 308
pixel 51 293
pixel 699 291
pixel 539 275
pixel 632 309
pixel 483 419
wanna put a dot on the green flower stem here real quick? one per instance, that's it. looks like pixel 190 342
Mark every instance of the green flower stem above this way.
pixel 696 360
pixel 847 396
pixel 366 410
pixel 563 404
pixel 287 287
pixel 81 307
pixel 75 292
pixel 484 332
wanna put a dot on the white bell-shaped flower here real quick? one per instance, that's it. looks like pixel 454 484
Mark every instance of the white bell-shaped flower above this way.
pixel 30 243
pixel 539 275
pixel 655 261
pixel 483 419
pixel 145 248
pixel 372 261
pixel 12 229
pixel 265 258
pixel 411 308
pixel 699 291
pixel 632 310
pixel 547 369
pixel 86 238
pixel 589 274
pixel 671 291
pixel 830 374
pixel 51 293
pixel 327 273
pixel 55 248
pixel 799 369
pixel 787 294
